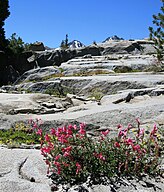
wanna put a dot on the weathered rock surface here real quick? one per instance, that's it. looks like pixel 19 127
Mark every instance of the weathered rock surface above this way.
pixel 102 101
pixel 107 100
pixel 38 74
pixel 107 64
pixel 56 57
pixel 20 106
pixel 29 60
pixel 23 170
pixel 124 47
pixel 88 85
pixel 38 46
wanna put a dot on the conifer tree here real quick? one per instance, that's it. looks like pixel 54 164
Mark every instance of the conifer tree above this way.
pixel 4 13
pixel 64 43
pixel 157 33
pixel 16 44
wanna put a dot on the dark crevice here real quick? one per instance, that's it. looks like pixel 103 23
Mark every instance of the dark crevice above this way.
pixel 23 175
pixel 5 173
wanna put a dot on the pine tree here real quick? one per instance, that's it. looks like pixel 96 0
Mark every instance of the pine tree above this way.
pixel 64 43
pixel 157 34
pixel 4 13
pixel 16 44
pixel 66 40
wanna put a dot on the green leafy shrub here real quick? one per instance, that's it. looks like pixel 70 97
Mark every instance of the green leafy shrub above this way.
pixel 17 135
pixel 16 44
pixel 55 92
pixel 72 156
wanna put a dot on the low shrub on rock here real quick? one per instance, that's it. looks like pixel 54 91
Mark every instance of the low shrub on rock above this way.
pixel 72 156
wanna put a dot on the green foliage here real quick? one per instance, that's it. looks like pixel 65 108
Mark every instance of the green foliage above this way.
pixel 57 92
pixel 96 94
pixel 157 34
pixel 4 13
pixel 72 156
pixel 53 92
pixel 52 76
pixel 64 43
pixel 16 44
pixel 21 133
pixel 92 72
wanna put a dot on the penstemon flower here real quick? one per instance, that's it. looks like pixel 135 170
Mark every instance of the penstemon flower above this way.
pixel 105 133
pixel 116 144
pixel 72 156
pixel 78 168
pixel 39 132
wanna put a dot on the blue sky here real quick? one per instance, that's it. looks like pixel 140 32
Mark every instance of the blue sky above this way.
pixel 85 20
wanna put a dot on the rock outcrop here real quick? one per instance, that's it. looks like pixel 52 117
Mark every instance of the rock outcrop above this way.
pixel 102 85
pixel 95 94
pixel 42 58
pixel 37 46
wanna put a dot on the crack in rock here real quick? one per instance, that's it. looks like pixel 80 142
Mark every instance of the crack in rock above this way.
pixel 23 175
pixel 5 173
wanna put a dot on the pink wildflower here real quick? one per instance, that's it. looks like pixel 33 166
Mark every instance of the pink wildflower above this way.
pixel 82 125
pixel 101 157
pixel 58 167
pixel 82 130
pixel 67 149
pixel 129 126
pixel 144 150
pixel 39 132
pixel 53 131
pixel 105 133
pixel 66 154
pixel 47 137
pixel 62 138
pixel 78 168
pixel 138 121
pixel 59 132
pixel 65 164
pixel 35 125
pixel 122 133
pixel 64 129
pixel 141 132
pixel 125 132
pixel 129 141
pixel 154 131
pixel 45 150
pixel 50 145
pixel 116 144
pixel 119 126
pixel 70 126
pixel 136 148
pixel 75 127
pixel 70 129
pixel 57 157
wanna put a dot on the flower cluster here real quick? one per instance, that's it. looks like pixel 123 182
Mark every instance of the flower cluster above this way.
pixel 72 156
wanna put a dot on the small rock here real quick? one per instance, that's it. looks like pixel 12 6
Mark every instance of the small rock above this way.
pixel 49 105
